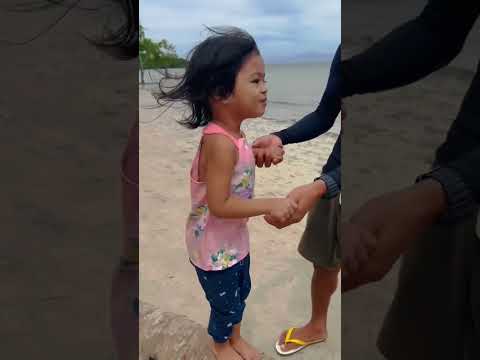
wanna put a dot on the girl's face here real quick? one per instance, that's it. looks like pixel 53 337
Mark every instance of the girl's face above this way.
pixel 249 97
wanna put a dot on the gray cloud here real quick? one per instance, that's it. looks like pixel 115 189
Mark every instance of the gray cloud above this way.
pixel 286 31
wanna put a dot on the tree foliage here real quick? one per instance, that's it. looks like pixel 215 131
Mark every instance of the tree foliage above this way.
pixel 156 55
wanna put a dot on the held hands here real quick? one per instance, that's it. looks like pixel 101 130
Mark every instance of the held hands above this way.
pixel 268 150
pixel 283 209
pixel 373 240
pixel 382 229
pixel 358 245
pixel 305 196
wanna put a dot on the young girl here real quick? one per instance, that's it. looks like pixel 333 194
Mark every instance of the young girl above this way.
pixel 224 84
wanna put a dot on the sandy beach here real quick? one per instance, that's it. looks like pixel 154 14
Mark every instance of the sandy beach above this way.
pixel 280 295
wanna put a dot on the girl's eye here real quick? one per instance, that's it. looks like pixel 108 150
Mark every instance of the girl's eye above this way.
pixel 256 81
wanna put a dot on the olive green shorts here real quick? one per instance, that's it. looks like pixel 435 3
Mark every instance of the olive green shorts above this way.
pixel 319 243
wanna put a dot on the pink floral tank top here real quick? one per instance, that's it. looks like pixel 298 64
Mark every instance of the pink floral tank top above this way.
pixel 215 243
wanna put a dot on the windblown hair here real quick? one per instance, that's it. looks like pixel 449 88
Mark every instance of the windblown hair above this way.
pixel 125 39
pixel 121 42
pixel 212 67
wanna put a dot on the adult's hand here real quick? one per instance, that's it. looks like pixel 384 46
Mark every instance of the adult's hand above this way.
pixel 382 229
pixel 305 196
pixel 268 150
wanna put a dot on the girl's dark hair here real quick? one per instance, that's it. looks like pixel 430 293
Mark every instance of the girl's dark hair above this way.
pixel 123 41
pixel 120 42
pixel 212 67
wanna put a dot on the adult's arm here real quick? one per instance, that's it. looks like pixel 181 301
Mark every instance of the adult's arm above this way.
pixel 413 50
pixel 323 118
pixel 332 180
pixel 331 172
pixel 458 158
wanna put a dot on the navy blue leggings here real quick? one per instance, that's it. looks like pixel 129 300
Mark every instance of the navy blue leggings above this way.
pixel 226 291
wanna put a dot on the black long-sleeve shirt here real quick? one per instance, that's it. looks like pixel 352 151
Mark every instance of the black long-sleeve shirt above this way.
pixel 413 51
pixel 320 121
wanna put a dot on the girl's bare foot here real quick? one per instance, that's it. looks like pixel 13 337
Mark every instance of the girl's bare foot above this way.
pixel 225 351
pixel 247 351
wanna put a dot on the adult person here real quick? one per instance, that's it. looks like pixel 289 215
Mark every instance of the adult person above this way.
pixel 435 312
pixel 319 243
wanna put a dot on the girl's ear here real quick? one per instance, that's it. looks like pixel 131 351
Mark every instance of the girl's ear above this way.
pixel 222 99
pixel 220 96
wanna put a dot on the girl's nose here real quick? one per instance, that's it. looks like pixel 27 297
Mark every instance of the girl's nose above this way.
pixel 264 88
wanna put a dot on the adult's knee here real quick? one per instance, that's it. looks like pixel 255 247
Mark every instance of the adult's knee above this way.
pixel 328 277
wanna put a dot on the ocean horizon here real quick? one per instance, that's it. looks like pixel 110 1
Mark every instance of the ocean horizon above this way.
pixel 294 90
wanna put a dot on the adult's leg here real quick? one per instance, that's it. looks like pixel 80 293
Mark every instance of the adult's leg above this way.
pixel 323 285
pixel 319 245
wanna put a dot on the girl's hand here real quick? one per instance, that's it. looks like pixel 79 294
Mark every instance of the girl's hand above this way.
pixel 282 209
pixel 305 197
pixel 268 150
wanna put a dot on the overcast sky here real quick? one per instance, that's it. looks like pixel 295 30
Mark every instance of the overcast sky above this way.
pixel 285 31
